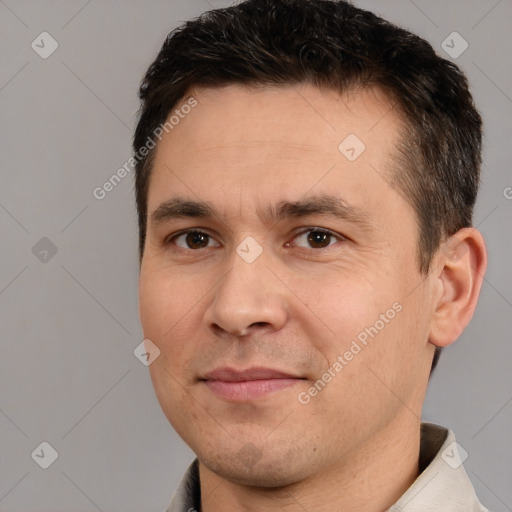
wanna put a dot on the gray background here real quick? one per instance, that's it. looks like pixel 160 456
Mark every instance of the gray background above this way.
pixel 69 323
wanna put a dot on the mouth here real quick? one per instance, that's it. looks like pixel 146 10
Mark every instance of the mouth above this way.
pixel 253 383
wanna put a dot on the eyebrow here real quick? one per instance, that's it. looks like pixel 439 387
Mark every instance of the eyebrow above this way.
pixel 323 204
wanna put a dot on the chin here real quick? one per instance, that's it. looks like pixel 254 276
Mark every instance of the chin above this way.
pixel 249 468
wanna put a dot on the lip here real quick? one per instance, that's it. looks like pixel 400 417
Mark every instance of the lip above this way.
pixel 252 383
pixel 229 374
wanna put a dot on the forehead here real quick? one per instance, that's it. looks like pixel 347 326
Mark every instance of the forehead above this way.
pixel 301 114
pixel 263 142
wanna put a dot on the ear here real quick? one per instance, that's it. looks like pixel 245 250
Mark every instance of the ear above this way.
pixel 461 265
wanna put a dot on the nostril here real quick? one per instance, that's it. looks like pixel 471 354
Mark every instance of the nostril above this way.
pixel 258 324
pixel 247 331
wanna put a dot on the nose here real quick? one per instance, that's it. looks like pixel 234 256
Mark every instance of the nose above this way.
pixel 248 300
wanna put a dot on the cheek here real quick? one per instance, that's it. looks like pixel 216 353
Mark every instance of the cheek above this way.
pixel 166 308
pixel 341 307
pixel 171 307
pixel 166 302
pixel 370 327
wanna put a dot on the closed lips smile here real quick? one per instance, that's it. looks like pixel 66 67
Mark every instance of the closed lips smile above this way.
pixel 240 386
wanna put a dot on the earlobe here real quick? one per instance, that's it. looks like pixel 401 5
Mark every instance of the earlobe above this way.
pixel 462 261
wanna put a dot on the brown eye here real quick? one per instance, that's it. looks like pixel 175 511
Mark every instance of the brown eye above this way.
pixel 316 238
pixel 197 240
pixel 319 239
pixel 193 240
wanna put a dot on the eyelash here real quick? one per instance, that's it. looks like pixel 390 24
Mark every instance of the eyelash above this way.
pixel 340 238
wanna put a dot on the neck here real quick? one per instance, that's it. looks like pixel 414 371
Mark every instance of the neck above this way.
pixel 371 479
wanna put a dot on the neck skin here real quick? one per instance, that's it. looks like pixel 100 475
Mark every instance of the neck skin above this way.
pixel 371 480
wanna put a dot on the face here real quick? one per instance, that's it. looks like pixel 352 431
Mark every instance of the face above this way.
pixel 280 282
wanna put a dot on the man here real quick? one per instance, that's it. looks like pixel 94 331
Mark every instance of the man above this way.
pixel 305 184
